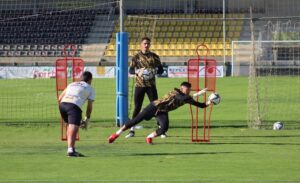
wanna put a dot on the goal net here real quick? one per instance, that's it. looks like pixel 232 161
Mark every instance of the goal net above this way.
pixel 274 82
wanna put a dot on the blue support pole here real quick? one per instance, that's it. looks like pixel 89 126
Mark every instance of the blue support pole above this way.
pixel 122 78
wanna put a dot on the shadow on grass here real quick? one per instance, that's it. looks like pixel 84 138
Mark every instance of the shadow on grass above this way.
pixel 257 143
pixel 183 153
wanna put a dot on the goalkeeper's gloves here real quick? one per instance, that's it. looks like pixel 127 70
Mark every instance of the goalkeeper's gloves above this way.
pixel 209 102
pixel 139 72
pixel 199 93
pixel 84 123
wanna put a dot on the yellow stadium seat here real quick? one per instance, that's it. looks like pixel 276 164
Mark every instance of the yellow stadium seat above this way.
pixel 167 40
pixel 192 53
pixel 171 28
pixel 193 46
pixel 211 28
pixel 194 39
pixel 187 39
pixel 186 46
pixel 158 46
pixel 157 29
pixel 216 34
pixel 110 53
pixel 228 46
pixel 193 23
pixel 214 40
pixel 172 23
pixel 228 52
pixel 191 28
pixel 179 23
pixel 205 28
pixel 173 40
pixel 209 34
pixel 198 28
pixel 172 46
pixel 180 40
pixel 131 47
pixel 185 53
pixel 182 34
pixel 177 28
pixel 207 39
pixel 166 46
pixel 220 53
pixel 162 34
pixel 159 23
pixel 158 52
pixel 164 28
pixel 186 23
pixel 184 28
pixel 189 34
pixel 111 47
pixel 177 53
pixel 168 34
pixel 132 53
pixel 180 46
pixel 196 34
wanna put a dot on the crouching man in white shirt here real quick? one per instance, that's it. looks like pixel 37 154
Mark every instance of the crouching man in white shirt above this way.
pixel 71 101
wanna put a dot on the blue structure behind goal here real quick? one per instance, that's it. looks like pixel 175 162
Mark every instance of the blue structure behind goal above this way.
pixel 122 78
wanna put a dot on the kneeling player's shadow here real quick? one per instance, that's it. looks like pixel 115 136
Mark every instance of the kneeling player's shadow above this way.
pixel 183 153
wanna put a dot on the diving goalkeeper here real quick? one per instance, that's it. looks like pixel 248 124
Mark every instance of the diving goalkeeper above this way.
pixel 160 109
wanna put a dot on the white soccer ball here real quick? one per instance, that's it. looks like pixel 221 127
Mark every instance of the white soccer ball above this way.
pixel 215 98
pixel 147 74
pixel 278 125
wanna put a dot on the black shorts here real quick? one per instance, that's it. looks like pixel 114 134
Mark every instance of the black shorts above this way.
pixel 70 113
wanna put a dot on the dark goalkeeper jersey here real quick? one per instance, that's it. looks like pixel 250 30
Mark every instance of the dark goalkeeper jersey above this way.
pixel 148 60
pixel 175 99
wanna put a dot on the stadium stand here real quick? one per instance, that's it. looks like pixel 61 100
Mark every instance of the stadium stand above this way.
pixel 175 38
pixel 43 33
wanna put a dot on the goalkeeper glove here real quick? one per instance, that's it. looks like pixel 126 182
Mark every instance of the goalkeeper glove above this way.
pixel 209 102
pixel 84 123
pixel 139 72
pixel 199 93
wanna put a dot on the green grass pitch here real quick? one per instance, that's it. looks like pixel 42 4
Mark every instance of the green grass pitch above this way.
pixel 30 149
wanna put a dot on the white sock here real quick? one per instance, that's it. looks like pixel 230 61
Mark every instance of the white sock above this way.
pixel 119 132
pixel 151 135
pixel 132 128
pixel 70 149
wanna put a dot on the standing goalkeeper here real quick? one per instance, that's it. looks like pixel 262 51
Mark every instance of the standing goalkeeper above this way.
pixel 160 109
pixel 144 65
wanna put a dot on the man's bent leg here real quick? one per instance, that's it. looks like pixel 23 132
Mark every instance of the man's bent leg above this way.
pixel 71 135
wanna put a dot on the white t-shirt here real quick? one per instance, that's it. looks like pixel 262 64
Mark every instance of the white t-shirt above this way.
pixel 78 92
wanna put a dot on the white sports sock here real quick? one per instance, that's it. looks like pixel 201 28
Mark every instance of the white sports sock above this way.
pixel 151 135
pixel 70 149
pixel 132 128
pixel 119 132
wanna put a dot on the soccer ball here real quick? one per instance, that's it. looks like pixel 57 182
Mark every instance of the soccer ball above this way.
pixel 147 74
pixel 215 98
pixel 278 125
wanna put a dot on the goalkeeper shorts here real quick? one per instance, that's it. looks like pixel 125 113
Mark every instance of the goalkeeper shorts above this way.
pixel 70 113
